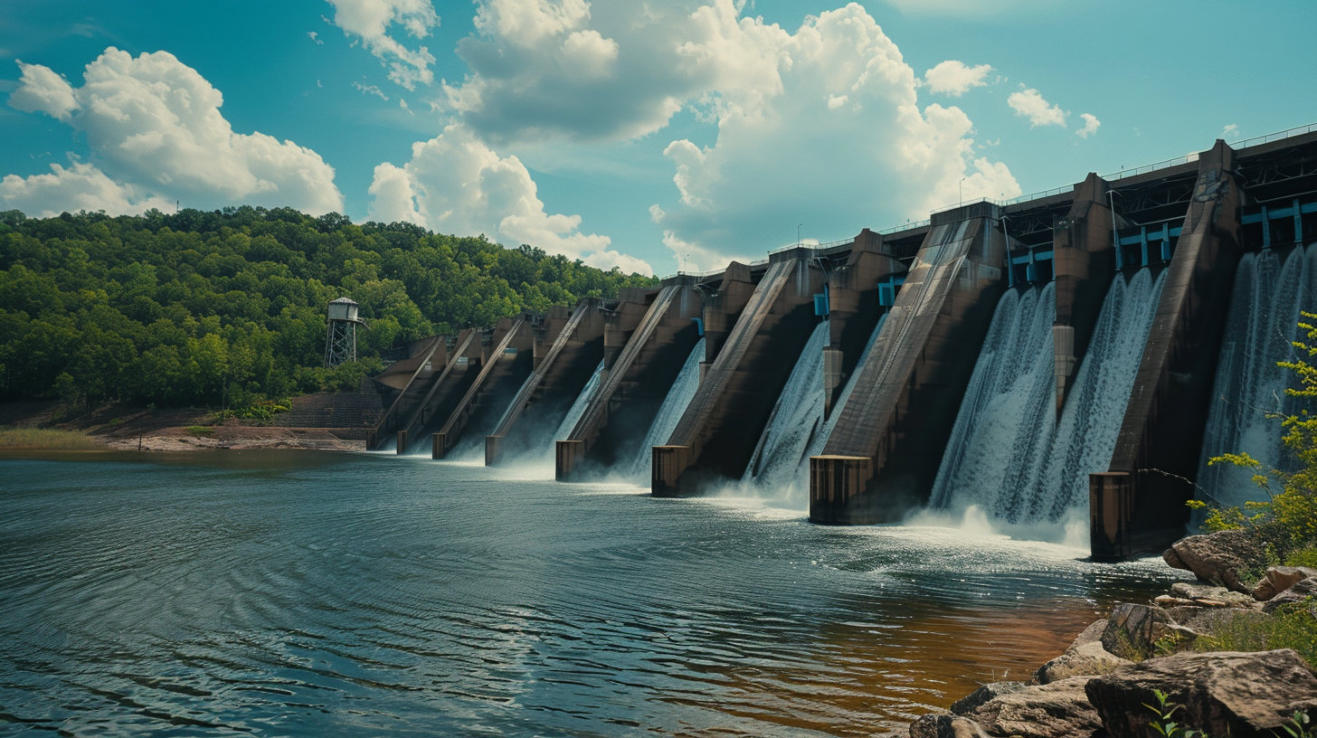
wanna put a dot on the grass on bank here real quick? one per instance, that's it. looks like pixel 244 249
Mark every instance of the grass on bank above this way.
pixel 42 438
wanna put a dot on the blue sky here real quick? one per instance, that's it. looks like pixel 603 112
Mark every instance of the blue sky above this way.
pixel 646 135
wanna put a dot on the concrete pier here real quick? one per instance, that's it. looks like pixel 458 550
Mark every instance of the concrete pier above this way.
pixel 637 377
pixel 566 354
pixel 854 307
pixel 1083 266
pixel 505 364
pixel 716 435
pixel 1157 451
pixel 904 403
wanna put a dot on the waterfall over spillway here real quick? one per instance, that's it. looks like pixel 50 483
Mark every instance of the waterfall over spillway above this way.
pixel 1264 313
pixel 578 407
pixel 1095 408
pixel 670 412
pixel 780 465
pixel 796 420
pixel 1008 406
pixel 1008 453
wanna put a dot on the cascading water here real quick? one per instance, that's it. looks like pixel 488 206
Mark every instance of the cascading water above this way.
pixel 1095 408
pixel 1008 454
pixel 801 429
pixel 578 407
pixel 670 412
pixel 1264 313
pixel 796 420
pixel 1005 413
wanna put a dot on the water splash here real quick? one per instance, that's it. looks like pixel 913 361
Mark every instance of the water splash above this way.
pixel 674 405
pixel 1008 454
pixel 797 419
pixel 1264 312
pixel 1006 412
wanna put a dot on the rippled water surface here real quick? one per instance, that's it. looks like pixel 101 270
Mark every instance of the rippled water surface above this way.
pixel 370 594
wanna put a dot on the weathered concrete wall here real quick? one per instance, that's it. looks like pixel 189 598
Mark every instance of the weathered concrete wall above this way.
pixel 1161 436
pixel 884 452
pixel 717 434
pixel 635 382
pixel 499 376
pixel 853 307
pixel 566 355
pixel 1083 266
pixel 445 388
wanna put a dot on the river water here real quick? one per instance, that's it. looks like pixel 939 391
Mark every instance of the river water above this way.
pixel 299 593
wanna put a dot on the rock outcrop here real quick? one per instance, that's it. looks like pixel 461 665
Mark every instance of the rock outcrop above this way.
pixel 1133 630
pixel 1057 710
pixel 1224 693
pixel 944 726
pixel 1301 591
pixel 971 702
pixel 1086 656
pixel 1225 558
pixel 1280 578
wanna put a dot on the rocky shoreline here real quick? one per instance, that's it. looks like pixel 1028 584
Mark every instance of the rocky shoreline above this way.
pixel 1106 681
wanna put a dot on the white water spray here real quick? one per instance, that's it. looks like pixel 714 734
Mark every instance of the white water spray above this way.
pixel 1264 313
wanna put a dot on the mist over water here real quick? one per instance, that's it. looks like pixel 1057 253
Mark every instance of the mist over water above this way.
pixel 364 595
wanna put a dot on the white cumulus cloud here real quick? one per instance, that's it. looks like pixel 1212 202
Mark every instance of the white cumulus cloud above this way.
pixel 954 78
pixel 41 90
pixel 833 128
pixel 824 120
pixel 1091 125
pixel 456 183
pixel 371 21
pixel 1030 104
pixel 154 127
pixel 79 187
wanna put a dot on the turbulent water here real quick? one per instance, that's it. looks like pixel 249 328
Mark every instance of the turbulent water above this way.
pixel 380 595
pixel 796 421
pixel 670 412
pixel 1264 313
pixel 1008 453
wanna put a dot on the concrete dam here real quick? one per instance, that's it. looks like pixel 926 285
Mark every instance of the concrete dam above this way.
pixel 1076 355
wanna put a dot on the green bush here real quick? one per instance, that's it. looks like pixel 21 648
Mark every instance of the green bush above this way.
pixel 1287 521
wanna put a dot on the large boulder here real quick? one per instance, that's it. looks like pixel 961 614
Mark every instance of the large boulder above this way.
pixel 992 690
pixel 1208 595
pixel 1280 578
pixel 1132 630
pixel 1298 593
pixel 1223 693
pixel 1086 656
pixel 1089 659
pixel 1057 710
pixel 1225 558
pixel 944 726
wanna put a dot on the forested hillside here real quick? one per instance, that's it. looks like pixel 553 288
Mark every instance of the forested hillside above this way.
pixel 229 306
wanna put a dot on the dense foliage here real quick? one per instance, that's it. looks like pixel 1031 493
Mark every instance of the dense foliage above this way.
pixel 1287 520
pixel 229 306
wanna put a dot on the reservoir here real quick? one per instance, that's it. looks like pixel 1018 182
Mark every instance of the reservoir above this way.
pixel 368 594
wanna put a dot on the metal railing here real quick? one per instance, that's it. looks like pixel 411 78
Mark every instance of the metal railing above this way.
pixel 1119 175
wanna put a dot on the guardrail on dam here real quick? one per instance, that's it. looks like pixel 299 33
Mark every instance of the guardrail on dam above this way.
pixel 911 317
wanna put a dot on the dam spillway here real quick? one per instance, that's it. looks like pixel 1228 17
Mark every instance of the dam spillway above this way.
pixel 1043 359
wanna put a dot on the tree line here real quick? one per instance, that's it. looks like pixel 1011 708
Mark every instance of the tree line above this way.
pixel 228 307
